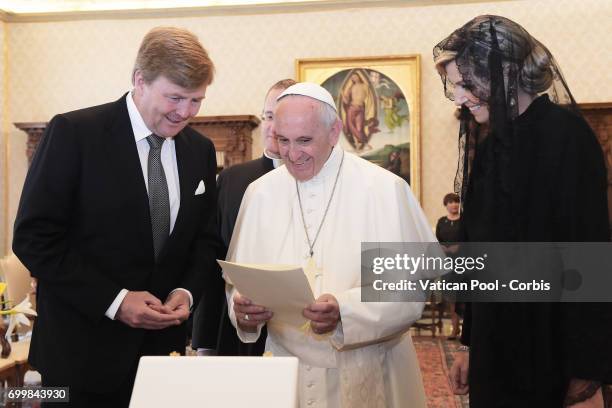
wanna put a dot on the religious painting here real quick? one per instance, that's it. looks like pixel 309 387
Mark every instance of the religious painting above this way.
pixel 378 100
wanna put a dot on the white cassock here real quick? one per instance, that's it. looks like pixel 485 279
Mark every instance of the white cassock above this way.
pixel 369 360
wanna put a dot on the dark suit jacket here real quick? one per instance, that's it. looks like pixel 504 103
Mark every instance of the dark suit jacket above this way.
pixel 83 230
pixel 212 328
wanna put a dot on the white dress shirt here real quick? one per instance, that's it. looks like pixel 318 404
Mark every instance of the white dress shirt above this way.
pixel 169 164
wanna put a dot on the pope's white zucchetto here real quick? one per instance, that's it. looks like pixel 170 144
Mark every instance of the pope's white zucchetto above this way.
pixel 310 90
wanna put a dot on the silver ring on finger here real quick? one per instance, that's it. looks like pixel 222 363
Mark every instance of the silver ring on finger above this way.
pixel 246 317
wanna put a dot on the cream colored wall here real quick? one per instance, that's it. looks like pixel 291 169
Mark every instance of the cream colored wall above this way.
pixel 60 66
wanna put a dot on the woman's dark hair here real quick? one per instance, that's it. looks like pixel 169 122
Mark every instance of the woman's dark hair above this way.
pixel 451 198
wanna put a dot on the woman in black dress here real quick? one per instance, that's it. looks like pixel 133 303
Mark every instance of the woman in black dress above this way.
pixel 530 170
pixel 448 232
pixel 447 229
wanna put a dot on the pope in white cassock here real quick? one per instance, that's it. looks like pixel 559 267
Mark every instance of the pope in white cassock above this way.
pixel 315 211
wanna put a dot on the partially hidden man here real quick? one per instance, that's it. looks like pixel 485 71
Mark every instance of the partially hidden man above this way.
pixel 213 332
pixel 314 212
pixel 117 223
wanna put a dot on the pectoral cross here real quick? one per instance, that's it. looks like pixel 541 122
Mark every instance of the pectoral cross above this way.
pixel 312 273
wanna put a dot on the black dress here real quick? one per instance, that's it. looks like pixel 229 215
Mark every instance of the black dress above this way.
pixel 448 230
pixel 524 354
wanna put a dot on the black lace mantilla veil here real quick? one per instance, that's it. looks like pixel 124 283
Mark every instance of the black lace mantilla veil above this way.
pixel 494 62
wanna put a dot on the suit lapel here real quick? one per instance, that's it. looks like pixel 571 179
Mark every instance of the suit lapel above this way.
pixel 121 148
pixel 187 169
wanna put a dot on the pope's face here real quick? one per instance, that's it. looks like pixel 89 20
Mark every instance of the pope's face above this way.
pixel 305 143
pixel 165 107
pixel 463 96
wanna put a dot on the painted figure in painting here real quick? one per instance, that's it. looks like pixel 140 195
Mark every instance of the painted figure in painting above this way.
pixel 393 116
pixel 358 110
pixel 394 162
pixel 376 117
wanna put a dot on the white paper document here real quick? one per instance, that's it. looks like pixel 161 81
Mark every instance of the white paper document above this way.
pixel 283 289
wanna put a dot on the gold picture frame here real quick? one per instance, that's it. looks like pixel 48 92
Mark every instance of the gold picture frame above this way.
pixel 379 101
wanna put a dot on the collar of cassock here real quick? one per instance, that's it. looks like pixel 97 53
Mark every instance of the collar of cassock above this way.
pixel 276 161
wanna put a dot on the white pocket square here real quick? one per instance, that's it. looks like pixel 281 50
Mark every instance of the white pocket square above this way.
pixel 201 188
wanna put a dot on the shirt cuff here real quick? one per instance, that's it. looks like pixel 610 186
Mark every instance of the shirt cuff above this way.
pixel 112 309
pixel 249 337
pixel 188 294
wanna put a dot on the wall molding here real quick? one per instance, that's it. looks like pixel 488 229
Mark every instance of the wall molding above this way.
pixel 283 7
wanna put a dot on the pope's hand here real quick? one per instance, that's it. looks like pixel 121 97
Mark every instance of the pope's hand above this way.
pixel 324 314
pixel 248 315
pixel 142 310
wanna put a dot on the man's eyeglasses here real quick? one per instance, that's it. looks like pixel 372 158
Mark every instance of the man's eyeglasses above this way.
pixel 266 117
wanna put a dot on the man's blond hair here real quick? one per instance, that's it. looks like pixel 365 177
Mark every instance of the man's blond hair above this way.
pixel 176 54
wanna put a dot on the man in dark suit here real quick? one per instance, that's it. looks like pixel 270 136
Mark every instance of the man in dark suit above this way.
pixel 213 332
pixel 117 223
